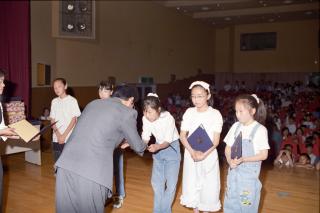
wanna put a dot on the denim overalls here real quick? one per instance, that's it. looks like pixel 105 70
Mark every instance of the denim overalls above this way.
pixel 243 184
pixel 165 172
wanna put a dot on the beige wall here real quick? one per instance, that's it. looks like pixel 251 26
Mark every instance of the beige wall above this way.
pixel 223 45
pixel 133 39
pixel 146 39
pixel 297 48
pixel 43 46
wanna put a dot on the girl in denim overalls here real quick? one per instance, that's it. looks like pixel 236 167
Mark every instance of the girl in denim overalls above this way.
pixel 243 186
pixel 166 152
pixel 201 172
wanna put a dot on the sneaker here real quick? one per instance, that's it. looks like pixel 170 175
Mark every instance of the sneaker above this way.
pixel 117 202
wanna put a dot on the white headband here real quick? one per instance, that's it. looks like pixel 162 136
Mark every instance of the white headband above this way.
pixel 153 94
pixel 255 97
pixel 201 83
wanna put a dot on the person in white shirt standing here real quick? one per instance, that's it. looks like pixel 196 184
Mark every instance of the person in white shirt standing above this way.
pixel 201 172
pixel 166 152
pixel 64 110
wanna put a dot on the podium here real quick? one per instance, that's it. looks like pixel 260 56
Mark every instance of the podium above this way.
pixel 46 137
pixel 31 150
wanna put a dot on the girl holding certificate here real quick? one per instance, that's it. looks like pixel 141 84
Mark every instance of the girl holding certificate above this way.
pixel 243 185
pixel 201 173
pixel 166 152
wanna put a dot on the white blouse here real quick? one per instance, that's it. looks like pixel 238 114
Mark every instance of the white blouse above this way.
pixel 163 129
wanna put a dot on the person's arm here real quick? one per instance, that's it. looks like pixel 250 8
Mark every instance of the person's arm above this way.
pixel 185 143
pixel 168 132
pixel 262 155
pixel 276 162
pixel 156 147
pixel 55 129
pixel 290 159
pixel 306 166
pixel 201 156
pixel 8 133
pixel 62 137
pixel 232 163
pixel 53 119
pixel 129 129
pixel 217 127
pixel 72 107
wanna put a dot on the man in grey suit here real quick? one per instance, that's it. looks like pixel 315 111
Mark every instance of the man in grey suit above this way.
pixel 85 168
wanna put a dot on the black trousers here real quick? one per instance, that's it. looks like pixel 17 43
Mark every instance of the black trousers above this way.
pixel 57 150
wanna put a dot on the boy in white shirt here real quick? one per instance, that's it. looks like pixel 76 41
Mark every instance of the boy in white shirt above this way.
pixel 64 110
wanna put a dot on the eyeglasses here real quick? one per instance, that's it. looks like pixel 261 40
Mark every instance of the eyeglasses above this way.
pixel 197 96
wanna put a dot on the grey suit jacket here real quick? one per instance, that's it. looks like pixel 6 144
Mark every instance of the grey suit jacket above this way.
pixel 103 124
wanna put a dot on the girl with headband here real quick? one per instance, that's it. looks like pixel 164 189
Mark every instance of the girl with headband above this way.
pixel 166 152
pixel 201 173
pixel 243 184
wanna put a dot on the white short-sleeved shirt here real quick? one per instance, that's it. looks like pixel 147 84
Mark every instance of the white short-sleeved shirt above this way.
pixel 211 120
pixel 260 139
pixel 2 124
pixel 163 129
pixel 63 110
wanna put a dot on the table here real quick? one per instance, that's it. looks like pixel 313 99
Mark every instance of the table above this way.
pixel 31 150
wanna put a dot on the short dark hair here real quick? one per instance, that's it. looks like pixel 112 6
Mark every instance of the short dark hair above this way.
pixel 288 145
pixel 306 156
pixel 309 145
pixel 249 100
pixel 107 85
pixel 125 92
pixel 151 101
pixel 64 82
pixel 2 73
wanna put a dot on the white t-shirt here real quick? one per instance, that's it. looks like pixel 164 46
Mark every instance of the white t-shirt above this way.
pixel 163 129
pixel 313 158
pixel 2 124
pixel 211 120
pixel 63 110
pixel 260 139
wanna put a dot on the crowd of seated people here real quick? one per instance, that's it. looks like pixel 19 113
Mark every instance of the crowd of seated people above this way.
pixel 293 117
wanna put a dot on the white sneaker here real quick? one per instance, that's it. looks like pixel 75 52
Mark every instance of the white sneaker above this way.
pixel 117 202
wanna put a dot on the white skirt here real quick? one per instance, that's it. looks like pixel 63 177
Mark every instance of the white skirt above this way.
pixel 201 183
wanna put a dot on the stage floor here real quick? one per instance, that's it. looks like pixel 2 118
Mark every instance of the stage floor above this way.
pixel 29 188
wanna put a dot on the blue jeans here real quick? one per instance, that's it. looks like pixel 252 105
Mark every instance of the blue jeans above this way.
pixel 165 172
pixel 118 172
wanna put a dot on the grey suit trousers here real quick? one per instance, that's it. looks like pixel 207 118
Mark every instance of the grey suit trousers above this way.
pixel 75 194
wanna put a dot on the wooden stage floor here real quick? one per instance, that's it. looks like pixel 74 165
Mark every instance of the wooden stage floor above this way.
pixel 30 188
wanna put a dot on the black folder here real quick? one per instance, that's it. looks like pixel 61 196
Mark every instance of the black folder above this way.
pixel 199 140
pixel 236 148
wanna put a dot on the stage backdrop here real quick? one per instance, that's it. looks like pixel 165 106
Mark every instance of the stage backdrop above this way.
pixel 15 48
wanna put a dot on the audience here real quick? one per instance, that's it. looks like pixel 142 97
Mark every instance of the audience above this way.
pixel 293 117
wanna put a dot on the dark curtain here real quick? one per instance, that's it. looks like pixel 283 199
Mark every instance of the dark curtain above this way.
pixel 15 49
